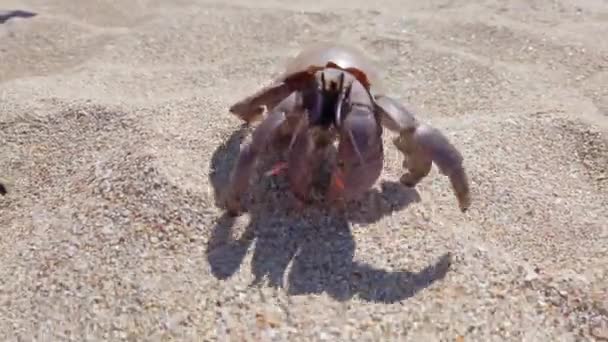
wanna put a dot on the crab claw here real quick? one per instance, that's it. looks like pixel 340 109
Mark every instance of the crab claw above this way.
pixel 423 145
pixel 360 155
pixel 426 145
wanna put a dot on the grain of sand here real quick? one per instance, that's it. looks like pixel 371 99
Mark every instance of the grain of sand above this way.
pixel 115 137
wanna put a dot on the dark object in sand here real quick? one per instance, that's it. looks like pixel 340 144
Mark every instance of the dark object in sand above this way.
pixel 7 15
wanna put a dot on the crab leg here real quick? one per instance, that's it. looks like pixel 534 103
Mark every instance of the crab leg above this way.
pixel 262 137
pixel 251 107
pixel 423 145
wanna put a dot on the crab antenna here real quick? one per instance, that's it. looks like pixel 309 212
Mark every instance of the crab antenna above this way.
pixel 357 151
pixel 297 131
pixel 341 98
pixel 347 91
pixel 339 112
pixel 322 81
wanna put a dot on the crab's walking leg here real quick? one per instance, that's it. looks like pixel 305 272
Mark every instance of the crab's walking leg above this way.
pixel 304 162
pixel 251 107
pixel 423 145
pixel 299 171
pixel 262 137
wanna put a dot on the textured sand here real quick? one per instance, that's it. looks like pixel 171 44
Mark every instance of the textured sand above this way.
pixel 115 137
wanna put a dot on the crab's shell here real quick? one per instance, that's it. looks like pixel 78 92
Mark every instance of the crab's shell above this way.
pixel 321 55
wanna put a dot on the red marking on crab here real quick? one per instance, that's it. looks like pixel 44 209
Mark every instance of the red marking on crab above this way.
pixel 277 169
pixel 338 180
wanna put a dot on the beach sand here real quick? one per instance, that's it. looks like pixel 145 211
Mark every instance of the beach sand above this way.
pixel 115 138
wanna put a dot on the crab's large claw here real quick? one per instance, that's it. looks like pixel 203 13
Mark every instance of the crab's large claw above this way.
pixel 252 107
pixel 360 155
pixel 421 146
pixel 263 136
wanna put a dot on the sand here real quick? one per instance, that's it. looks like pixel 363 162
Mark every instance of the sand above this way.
pixel 115 139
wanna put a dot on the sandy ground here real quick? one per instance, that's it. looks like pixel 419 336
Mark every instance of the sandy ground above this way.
pixel 115 138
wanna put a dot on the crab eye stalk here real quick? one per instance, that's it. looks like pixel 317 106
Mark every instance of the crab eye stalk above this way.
pixel 328 98
pixel 342 99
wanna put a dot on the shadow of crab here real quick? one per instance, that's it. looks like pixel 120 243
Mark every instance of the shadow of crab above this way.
pixel 313 248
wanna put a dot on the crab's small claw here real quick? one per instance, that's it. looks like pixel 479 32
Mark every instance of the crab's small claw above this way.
pixel 423 145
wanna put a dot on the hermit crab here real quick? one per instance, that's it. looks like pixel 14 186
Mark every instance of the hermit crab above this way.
pixel 330 93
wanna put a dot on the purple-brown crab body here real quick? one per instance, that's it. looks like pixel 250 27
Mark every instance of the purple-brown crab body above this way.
pixel 328 93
